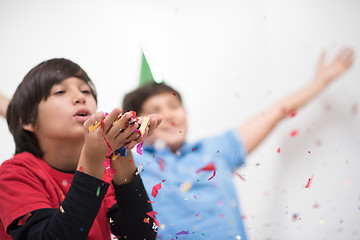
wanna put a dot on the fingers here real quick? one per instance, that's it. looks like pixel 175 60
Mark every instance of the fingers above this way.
pixel 93 122
pixel 155 121
pixel 111 119
pixel 345 58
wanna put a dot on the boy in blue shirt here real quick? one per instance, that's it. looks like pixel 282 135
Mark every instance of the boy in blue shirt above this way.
pixel 192 204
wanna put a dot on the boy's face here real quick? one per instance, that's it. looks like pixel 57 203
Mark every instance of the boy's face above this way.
pixel 62 114
pixel 174 126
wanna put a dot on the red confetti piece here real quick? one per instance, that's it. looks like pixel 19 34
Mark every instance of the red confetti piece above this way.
pixel 292 113
pixel 81 169
pixel 147 220
pixel 107 163
pixel 209 167
pixel 155 190
pixel 309 152
pixel 151 201
pixel 152 215
pixel 241 177
pixel 278 150
pixel 192 149
pixel 197 215
pixel 174 93
pixel 294 133
pixel 182 233
pixel 24 219
pixel 309 182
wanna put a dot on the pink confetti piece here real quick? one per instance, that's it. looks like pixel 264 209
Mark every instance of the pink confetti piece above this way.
pixel 182 233
pixel 24 219
pixel 241 177
pixel 140 145
pixel 309 182
pixel 209 167
pixel 161 164
pixel 354 109
pixel 294 133
pixel 152 215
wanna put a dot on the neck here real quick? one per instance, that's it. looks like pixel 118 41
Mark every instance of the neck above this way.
pixel 63 155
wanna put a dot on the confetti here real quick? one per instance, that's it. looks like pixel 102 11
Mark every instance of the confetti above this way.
pixel 144 124
pixel 24 219
pixel 278 150
pixel 98 191
pixel 139 146
pixel 241 177
pixel 292 113
pixel 147 220
pixel 294 133
pixel 309 182
pixel 354 110
pixel 155 190
pixel 62 210
pixel 151 201
pixel 185 186
pixel 152 215
pixel 209 167
pixel 182 233
pixel 161 164
pixel 139 169
pixel 153 155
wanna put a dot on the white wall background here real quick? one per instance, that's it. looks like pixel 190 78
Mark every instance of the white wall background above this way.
pixel 229 59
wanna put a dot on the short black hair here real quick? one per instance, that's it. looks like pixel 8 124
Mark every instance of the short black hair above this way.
pixel 134 100
pixel 36 86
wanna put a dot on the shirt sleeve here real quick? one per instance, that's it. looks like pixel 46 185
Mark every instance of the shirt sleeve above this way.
pixel 74 218
pixel 128 214
pixel 229 147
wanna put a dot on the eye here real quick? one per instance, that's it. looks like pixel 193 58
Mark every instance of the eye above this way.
pixel 59 92
pixel 86 91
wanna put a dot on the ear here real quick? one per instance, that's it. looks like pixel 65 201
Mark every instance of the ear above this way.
pixel 29 127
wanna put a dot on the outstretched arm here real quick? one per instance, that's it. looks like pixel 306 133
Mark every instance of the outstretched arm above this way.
pixel 256 129
pixel 4 102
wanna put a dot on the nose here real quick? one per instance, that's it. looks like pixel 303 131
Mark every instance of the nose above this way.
pixel 79 98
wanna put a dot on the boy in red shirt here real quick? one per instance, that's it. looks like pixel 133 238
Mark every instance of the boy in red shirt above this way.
pixel 55 187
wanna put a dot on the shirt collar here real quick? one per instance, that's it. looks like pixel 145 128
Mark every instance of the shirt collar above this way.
pixel 185 148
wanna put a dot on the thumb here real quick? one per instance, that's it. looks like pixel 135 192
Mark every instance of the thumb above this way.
pixel 93 122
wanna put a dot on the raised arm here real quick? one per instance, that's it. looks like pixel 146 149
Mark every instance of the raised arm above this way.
pixel 4 102
pixel 257 128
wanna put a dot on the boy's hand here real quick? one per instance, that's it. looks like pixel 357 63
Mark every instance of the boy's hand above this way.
pixel 135 138
pixel 115 130
pixel 327 72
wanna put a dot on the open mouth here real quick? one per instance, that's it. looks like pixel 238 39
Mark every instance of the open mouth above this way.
pixel 82 115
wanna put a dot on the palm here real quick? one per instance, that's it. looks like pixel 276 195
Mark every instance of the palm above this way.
pixel 326 72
